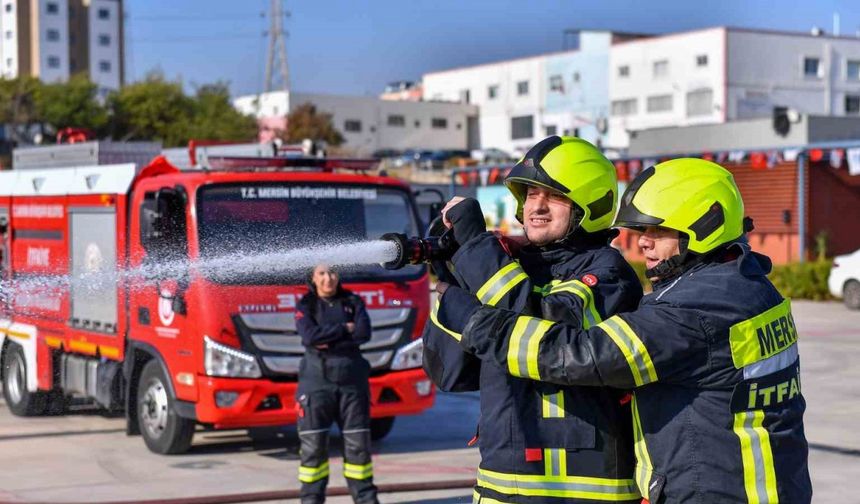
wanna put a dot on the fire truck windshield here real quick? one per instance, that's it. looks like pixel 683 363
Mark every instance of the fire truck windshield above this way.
pixel 278 217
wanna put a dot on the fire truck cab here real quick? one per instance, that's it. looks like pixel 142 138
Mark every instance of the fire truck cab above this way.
pixel 164 292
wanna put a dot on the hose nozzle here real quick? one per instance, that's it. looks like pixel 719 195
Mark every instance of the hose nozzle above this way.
pixel 416 250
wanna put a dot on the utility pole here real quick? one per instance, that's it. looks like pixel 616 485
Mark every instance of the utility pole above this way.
pixel 277 49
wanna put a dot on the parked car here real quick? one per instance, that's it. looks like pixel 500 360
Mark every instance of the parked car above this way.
pixel 490 155
pixel 412 156
pixel 844 280
pixel 386 153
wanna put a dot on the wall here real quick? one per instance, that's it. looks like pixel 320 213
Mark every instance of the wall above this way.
pixel 834 200
pixel 110 54
pixel 9 46
pixel 766 69
pixel 680 51
pixel 48 49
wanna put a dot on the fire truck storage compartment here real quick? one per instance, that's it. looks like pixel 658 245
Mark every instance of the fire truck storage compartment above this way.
pixel 91 378
pixel 92 239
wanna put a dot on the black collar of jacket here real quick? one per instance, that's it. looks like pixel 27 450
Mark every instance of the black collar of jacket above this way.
pixel 748 263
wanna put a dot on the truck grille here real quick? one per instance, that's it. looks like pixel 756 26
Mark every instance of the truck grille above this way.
pixel 273 338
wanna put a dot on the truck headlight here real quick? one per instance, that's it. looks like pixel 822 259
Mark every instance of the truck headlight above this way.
pixel 409 356
pixel 222 360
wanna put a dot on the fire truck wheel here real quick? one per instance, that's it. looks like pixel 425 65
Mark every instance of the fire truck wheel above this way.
pixel 21 401
pixel 380 427
pixel 163 430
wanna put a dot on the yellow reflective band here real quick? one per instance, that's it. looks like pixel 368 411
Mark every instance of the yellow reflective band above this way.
pixel 435 320
pixel 573 487
pixel 643 460
pixel 501 283
pixel 555 462
pixel 631 346
pixel 553 405
pixel 523 346
pixel 763 336
pixel 757 457
pixel 477 498
pixel 356 471
pixel 590 316
pixel 312 474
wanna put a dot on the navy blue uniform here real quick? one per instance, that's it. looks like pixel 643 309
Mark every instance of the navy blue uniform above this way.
pixel 712 354
pixel 333 387
pixel 542 442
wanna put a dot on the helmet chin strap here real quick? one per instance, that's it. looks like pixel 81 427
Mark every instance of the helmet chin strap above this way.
pixel 676 264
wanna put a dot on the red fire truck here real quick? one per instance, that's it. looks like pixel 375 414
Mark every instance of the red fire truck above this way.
pixel 180 345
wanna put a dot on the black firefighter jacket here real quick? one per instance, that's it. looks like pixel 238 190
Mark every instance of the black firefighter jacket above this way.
pixel 542 442
pixel 712 355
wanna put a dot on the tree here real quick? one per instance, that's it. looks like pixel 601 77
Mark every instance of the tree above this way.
pixel 305 122
pixel 216 119
pixel 71 104
pixel 152 109
pixel 17 105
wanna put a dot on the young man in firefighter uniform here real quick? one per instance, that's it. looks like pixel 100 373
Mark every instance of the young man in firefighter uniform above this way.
pixel 711 353
pixel 542 442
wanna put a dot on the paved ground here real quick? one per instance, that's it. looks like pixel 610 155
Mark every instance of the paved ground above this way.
pixel 87 457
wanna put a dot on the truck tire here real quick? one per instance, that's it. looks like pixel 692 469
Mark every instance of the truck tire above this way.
pixel 163 431
pixel 380 427
pixel 851 294
pixel 21 401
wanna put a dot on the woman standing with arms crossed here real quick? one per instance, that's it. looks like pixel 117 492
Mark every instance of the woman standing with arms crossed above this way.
pixel 333 387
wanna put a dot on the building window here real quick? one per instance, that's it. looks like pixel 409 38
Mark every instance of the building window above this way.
pixel 522 88
pixel 397 120
pixel 556 85
pixel 8 34
pixel 52 8
pixel 352 125
pixel 493 92
pixel 624 71
pixel 73 65
pixel 811 67
pixel 53 62
pixel 700 102
pixel 852 104
pixel 104 14
pixel 576 77
pixel 439 123
pixel 465 96
pixel 104 40
pixel 8 7
pixel 702 60
pixel 104 66
pixel 852 70
pixel 623 108
pixel 52 35
pixel 551 130
pixel 522 127
pixel 9 62
pixel 660 69
pixel 659 103
pixel 417 123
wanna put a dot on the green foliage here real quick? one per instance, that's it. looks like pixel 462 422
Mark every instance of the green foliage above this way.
pixel 152 109
pixel 304 122
pixel 803 281
pixel 71 104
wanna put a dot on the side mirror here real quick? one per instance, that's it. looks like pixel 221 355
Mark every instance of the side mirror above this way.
pixel 436 206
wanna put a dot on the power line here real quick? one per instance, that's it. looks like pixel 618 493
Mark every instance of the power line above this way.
pixel 192 38
pixel 194 18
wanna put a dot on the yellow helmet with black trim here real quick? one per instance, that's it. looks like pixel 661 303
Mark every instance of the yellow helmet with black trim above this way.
pixel 695 197
pixel 574 168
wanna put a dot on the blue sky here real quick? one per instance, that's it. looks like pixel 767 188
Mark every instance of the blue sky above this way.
pixel 356 46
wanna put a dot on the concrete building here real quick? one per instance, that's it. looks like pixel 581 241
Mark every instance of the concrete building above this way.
pixel 525 99
pixel 725 74
pixel 55 39
pixel 369 124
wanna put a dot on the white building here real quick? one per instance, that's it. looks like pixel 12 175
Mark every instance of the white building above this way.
pixel 55 39
pixel 369 123
pixel 523 100
pixel 724 74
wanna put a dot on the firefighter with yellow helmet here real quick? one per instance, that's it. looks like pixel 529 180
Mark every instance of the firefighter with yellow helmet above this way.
pixel 542 442
pixel 711 353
